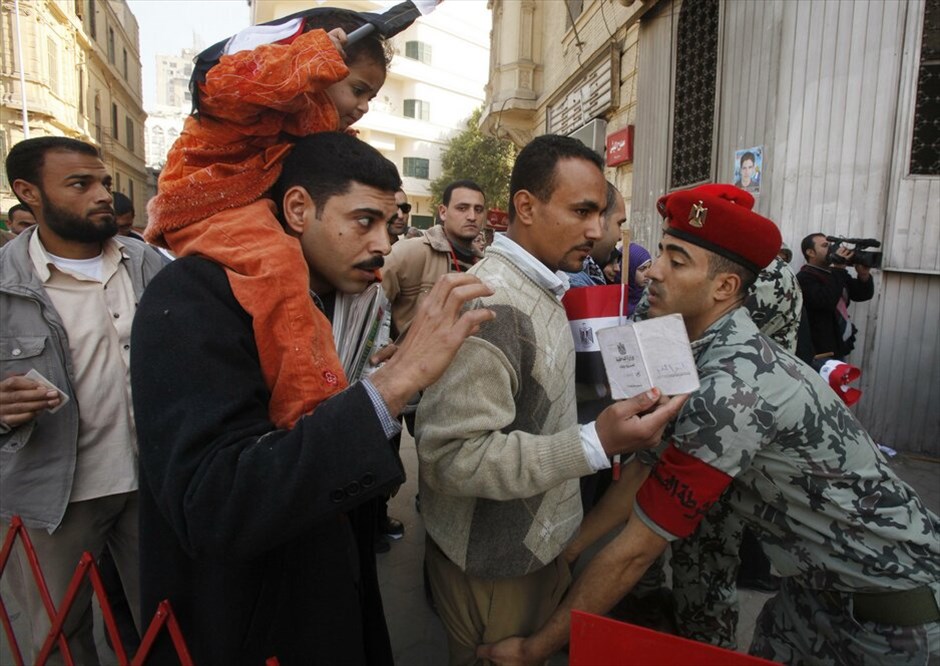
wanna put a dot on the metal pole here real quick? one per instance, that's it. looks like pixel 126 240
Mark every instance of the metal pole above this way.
pixel 19 55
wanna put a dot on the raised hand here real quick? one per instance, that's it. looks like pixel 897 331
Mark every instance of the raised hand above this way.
pixel 433 339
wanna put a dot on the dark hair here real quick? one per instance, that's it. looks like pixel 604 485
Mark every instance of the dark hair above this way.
pixel 457 184
pixel 534 170
pixel 122 204
pixel 16 208
pixel 25 160
pixel 611 198
pixel 327 163
pixel 719 264
pixel 747 156
pixel 808 243
pixel 371 47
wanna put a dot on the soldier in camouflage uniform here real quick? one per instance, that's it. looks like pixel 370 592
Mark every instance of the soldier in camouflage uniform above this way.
pixel 705 565
pixel 858 550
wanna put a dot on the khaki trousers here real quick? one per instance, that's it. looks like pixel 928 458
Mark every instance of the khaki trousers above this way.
pixel 478 610
pixel 88 525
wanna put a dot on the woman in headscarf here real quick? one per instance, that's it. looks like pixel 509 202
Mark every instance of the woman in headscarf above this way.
pixel 640 262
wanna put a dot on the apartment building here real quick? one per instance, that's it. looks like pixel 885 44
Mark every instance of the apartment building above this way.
pixel 173 103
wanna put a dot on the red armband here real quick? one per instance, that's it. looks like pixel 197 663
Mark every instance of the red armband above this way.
pixel 679 491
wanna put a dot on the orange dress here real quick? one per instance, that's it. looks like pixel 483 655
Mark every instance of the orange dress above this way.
pixel 210 203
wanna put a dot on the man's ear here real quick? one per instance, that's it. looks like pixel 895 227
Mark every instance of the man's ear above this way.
pixel 442 211
pixel 523 202
pixel 295 205
pixel 28 193
pixel 726 287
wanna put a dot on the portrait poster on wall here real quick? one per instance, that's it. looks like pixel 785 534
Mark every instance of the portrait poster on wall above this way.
pixel 749 169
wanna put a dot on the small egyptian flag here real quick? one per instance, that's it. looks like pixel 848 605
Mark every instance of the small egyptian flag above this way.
pixel 589 310
pixel 839 375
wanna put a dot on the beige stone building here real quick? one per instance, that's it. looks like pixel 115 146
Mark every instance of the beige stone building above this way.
pixel 80 62
pixel 566 67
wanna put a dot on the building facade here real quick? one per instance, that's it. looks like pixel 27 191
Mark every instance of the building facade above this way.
pixel 841 100
pixel 435 81
pixel 837 104
pixel 80 62
pixel 172 104
pixel 567 68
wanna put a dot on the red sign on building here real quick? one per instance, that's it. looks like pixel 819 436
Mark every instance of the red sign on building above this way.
pixel 620 146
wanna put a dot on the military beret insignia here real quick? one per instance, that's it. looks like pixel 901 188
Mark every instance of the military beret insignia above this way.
pixel 734 231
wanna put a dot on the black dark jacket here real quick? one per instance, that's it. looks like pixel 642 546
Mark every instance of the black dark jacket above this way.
pixel 822 290
pixel 260 538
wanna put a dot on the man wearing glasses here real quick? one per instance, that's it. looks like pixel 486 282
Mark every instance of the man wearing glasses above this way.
pixel 398 225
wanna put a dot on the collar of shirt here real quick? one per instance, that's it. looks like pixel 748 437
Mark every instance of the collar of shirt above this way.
pixel 112 255
pixel 811 267
pixel 556 282
pixel 739 315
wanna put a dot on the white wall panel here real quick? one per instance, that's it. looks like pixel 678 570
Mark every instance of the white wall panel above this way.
pixel 900 381
pixel 653 120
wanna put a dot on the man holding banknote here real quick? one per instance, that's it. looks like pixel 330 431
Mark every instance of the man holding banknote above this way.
pixel 68 450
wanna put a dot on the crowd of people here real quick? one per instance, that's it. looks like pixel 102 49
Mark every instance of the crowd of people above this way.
pixel 183 414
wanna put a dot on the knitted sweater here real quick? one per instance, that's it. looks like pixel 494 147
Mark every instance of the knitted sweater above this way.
pixel 497 436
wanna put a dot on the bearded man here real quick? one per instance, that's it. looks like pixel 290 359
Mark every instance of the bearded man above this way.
pixel 68 457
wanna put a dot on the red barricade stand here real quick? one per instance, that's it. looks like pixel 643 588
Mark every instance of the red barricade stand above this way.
pixel 164 617
pixel 600 641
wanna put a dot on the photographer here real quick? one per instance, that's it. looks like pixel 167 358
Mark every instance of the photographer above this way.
pixel 827 291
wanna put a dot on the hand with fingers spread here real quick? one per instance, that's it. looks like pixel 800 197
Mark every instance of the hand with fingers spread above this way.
pixel 22 399
pixel 637 423
pixel 433 339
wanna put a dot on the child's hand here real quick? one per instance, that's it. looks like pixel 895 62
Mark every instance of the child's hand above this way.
pixel 338 37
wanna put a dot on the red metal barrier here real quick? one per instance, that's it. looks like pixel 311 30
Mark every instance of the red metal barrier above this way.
pixel 600 641
pixel 87 568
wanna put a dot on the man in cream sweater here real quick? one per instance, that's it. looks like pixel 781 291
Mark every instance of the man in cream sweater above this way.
pixel 499 445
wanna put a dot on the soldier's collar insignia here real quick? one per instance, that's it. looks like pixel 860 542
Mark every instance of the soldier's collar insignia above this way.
pixel 697 215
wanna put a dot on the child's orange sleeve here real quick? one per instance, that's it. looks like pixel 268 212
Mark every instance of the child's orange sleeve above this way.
pixel 272 76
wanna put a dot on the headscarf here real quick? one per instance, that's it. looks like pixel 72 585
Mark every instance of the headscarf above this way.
pixel 638 256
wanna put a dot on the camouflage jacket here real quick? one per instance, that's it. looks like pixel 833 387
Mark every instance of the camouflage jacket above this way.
pixel 803 473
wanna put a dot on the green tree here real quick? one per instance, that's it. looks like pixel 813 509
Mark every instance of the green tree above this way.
pixel 475 156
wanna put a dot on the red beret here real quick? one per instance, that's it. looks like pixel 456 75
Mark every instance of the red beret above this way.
pixel 719 218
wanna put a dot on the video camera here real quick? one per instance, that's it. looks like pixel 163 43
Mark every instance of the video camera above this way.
pixel 872 259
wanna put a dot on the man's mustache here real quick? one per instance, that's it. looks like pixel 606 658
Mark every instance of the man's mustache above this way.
pixel 372 264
